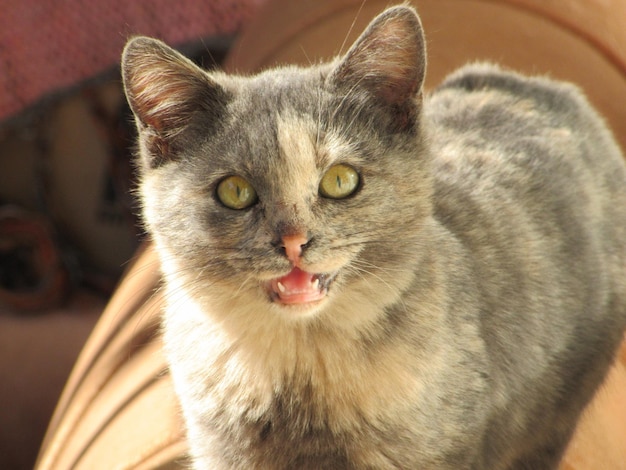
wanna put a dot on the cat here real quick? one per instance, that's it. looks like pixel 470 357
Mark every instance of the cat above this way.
pixel 361 275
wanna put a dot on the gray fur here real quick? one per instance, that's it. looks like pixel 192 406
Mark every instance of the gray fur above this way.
pixel 479 290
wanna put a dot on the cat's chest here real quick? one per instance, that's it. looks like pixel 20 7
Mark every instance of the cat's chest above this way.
pixel 304 424
pixel 309 394
pixel 310 391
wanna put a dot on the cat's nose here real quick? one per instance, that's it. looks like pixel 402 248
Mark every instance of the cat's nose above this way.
pixel 293 246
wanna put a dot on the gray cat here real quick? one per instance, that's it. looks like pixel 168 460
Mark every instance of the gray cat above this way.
pixel 360 276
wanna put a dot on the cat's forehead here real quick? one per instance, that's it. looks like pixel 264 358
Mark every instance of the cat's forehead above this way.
pixel 294 136
pixel 304 148
pixel 288 77
pixel 280 122
pixel 284 88
pixel 286 109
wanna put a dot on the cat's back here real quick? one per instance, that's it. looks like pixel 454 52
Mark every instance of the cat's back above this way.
pixel 526 155
pixel 534 122
pixel 532 184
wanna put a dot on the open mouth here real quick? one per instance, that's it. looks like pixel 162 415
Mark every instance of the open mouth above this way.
pixel 300 287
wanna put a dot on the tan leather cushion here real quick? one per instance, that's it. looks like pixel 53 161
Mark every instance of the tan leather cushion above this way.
pixel 118 410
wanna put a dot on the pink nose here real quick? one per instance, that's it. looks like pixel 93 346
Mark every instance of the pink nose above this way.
pixel 293 246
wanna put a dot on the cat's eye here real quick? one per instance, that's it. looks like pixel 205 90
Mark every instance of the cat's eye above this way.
pixel 236 193
pixel 339 182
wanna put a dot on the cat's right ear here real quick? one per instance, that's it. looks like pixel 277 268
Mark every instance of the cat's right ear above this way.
pixel 166 91
pixel 388 62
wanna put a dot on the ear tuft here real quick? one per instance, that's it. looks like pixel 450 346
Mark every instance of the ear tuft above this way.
pixel 388 59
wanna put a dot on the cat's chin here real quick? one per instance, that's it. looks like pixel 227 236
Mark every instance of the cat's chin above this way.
pixel 300 287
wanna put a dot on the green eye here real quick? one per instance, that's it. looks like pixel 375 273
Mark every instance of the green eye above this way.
pixel 339 182
pixel 236 193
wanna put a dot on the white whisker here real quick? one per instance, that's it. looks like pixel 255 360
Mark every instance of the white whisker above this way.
pixel 347 36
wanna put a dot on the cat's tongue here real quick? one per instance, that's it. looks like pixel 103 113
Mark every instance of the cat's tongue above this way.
pixel 298 287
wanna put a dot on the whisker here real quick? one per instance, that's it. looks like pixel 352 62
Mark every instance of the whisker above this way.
pixel 306 56
pixel 319 117
pixel 248 278
pixel 359 270
pixel 356 17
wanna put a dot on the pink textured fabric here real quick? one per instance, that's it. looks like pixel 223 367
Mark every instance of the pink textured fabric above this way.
pixel 48 45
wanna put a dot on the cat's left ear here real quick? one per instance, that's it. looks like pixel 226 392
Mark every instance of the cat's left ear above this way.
pixel 388 60
pixel 166 92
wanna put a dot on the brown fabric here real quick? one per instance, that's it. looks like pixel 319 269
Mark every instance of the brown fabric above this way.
pixel 118 410
pixel 37 353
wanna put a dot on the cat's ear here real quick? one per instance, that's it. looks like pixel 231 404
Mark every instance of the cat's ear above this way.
pixel 388 60
pixel 166 91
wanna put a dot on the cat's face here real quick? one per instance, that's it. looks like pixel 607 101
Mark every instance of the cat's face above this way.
pixel 292 190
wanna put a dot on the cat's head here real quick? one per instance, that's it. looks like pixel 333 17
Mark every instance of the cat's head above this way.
pixel 292 191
